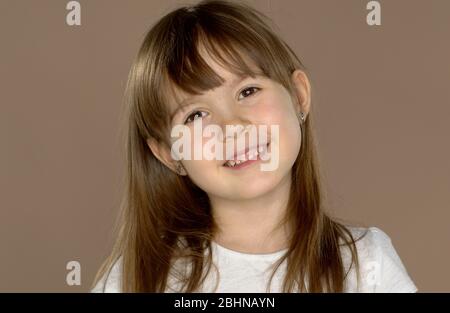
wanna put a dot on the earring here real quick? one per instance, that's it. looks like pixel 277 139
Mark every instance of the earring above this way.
pixel 301 115
pixel 179 168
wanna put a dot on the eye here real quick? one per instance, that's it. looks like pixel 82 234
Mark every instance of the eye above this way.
pixel 193 116
pixel 248 91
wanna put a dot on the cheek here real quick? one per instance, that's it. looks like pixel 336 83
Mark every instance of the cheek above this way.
pixel 204 174
pixel 275 107
pixel 278 109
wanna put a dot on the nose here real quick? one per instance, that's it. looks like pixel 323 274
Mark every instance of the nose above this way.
pixel 231 115
pixel 235 127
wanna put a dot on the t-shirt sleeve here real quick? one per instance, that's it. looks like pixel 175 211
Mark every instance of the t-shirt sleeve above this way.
pixel 389 274
pixel 111 281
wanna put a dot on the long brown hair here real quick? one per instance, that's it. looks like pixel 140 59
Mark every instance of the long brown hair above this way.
pixel 165 216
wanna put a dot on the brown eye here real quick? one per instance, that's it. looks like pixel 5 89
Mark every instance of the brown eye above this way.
pixel 249 91
pixel 192 117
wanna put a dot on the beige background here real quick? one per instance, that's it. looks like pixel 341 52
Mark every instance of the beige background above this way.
pixel 381 97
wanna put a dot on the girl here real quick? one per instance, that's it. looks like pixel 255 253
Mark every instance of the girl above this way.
pixel 206 225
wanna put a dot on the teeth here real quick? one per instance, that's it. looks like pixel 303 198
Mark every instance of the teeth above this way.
pixel 251 155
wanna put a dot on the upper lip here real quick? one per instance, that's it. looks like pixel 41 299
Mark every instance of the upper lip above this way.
pixel 244 151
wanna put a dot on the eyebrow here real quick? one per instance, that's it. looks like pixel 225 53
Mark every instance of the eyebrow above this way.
pixel 186 101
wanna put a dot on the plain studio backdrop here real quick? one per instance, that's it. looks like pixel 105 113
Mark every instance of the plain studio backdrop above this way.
pixel 381 102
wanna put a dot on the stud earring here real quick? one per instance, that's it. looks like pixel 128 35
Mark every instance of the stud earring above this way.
pixel 301 115
pixel 179 168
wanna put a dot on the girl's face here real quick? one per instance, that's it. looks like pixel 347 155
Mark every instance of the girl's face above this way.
pixel 248 101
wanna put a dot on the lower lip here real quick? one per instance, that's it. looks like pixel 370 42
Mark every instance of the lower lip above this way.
pixel 246 163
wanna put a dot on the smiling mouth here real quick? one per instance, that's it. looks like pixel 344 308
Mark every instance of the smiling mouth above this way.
pixel 250 158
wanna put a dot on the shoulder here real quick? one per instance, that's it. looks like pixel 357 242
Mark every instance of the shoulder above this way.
pixel 381 268
pixel 111 280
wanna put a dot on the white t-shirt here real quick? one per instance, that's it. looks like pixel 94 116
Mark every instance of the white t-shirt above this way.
pixel 380 267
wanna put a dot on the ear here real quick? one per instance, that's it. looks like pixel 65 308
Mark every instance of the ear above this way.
pixel 162 153
pixel 303 91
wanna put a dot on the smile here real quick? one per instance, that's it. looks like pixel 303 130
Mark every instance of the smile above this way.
pixel 251 156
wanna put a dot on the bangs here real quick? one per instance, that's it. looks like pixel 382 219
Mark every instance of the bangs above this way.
pixel 239 43
pixel 190 72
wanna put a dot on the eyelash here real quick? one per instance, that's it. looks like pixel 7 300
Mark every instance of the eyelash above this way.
pixel 195 112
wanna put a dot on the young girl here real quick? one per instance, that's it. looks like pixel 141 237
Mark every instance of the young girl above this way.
pixel 201 225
